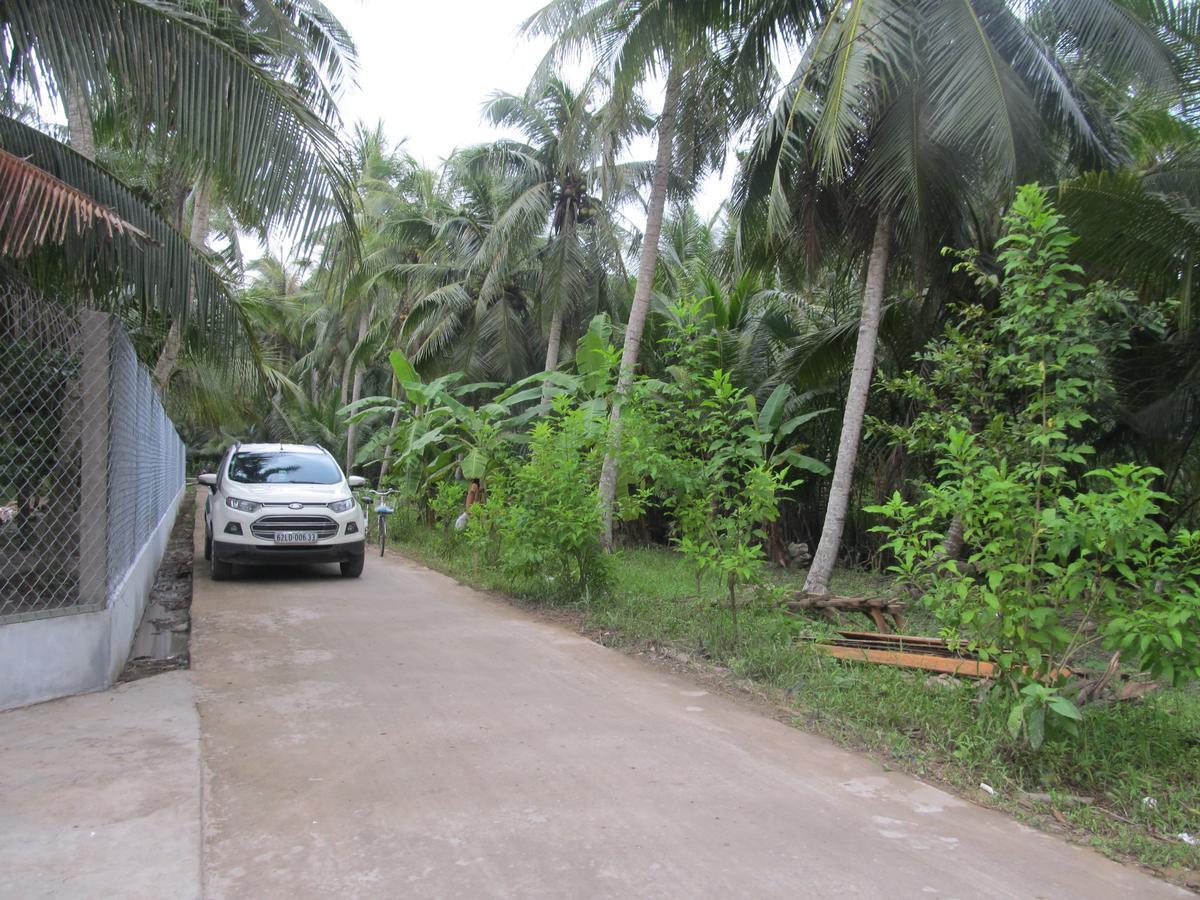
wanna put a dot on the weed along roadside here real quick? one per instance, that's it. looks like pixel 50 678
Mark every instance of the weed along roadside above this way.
pixel 161 641
pixel 1129 786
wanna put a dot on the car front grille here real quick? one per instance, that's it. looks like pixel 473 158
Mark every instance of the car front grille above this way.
pixel 268 526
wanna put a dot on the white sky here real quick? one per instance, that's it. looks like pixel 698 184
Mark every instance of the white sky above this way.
pixel 425 69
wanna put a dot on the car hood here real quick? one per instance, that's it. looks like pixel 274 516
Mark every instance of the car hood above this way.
pixel 288 493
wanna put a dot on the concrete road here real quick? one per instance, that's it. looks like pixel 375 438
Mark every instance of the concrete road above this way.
pixel 100 795
pixel 403 736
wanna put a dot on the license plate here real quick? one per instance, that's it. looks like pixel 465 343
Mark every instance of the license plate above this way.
pixel 295 537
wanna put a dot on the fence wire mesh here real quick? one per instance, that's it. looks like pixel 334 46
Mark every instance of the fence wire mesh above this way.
pixel 145 459
pixel 89 462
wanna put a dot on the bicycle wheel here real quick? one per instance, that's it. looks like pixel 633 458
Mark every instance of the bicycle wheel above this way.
pixel 382 533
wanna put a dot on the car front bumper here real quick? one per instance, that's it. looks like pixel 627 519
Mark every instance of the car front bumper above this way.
pixel 285 554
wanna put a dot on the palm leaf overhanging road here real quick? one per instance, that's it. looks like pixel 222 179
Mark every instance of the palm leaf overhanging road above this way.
pixel 196 78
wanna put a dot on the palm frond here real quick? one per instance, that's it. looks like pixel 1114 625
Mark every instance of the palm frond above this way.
pixel 1129 232
pixel 977 101
pixel 190 83
pixel 155 276
pixel 36 209
pixel 566 274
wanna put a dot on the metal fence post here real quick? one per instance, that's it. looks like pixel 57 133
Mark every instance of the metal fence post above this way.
pixel 95 331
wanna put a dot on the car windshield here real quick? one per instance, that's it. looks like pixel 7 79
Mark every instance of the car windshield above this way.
pixel 283 468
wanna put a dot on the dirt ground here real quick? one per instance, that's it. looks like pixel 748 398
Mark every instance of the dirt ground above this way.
pixel 161 643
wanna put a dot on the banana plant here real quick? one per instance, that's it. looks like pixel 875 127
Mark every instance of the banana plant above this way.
pixel 775 432
pixel 436 431
pixel 775 435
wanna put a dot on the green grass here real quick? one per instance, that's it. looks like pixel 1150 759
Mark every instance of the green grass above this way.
pixel 941 729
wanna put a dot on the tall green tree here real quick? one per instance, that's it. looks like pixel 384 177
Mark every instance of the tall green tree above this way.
pixel 881 121
pixel 474 285
pixel 705 101
pixel 357 271
pixel 569 161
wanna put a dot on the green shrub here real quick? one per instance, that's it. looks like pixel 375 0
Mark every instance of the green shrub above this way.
pixel 1064 560
pixel 447 506
pixel 726 491
pixel 545 508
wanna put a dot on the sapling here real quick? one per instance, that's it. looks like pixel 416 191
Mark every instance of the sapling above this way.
pixel 1066 558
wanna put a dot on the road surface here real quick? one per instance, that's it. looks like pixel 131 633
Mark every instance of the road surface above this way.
pixel 403 736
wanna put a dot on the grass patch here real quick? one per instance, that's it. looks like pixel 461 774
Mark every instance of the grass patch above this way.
pixel 1137 765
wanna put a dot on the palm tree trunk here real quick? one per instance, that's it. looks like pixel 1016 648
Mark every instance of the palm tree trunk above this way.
pixel 201 212
pixel 167 359
pixel 1185 293
pixel 824 559
pixel 641 300
pixel 364 324
pixel 386 465
pixel 79 121
pixel 201 217
pixel 347 372
pixel 952 543
pixel 553 345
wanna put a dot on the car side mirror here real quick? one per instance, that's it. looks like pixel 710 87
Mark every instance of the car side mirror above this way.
pixel 207 478
pixel 356 481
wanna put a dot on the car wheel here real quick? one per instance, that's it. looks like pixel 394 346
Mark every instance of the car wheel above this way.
pixel 221 570
pixel 207 544
pixel 353 568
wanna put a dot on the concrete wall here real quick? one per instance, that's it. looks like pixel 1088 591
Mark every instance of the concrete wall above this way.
pixel 71 654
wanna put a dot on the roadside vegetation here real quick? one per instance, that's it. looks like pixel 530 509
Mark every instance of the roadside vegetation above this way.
pixel 939 345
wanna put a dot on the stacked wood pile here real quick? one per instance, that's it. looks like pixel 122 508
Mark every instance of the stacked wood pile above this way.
pixel 937 655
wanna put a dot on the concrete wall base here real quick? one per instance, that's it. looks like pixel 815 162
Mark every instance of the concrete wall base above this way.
pixel 47 658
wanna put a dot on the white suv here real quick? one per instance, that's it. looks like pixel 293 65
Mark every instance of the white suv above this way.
pixel 281 503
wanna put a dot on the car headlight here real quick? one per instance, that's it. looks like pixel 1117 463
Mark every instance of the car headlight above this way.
pixel 340 506
pixel 246 506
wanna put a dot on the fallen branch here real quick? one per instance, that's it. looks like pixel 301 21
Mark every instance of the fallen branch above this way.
pixel 874 608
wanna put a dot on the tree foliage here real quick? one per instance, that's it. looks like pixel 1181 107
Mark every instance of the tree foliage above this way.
pixel 1065 556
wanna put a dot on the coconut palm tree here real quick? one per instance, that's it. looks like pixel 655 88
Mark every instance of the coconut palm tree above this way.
pixel 356 272
pixel 215 81
pixel 475 287
pixel 569 161
pixel 883 124
pixel 705 101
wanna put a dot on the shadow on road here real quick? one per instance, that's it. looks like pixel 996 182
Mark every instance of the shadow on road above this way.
pixel 285 573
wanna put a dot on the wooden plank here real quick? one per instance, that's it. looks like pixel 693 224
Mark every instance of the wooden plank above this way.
pixel 954 665
pixel 973 668
pixel 893 638
pixel 922 649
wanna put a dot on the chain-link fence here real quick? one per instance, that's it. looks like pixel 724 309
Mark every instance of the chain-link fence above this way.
pixel 89 461
pixel 145 459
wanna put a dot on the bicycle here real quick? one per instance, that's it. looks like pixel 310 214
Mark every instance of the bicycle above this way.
pixel 365 502
pixel 382 511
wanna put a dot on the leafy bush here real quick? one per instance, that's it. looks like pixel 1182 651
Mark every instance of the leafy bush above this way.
pixel 1064 560
pixel 545 508
pixel 727 490
pixel 447 505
